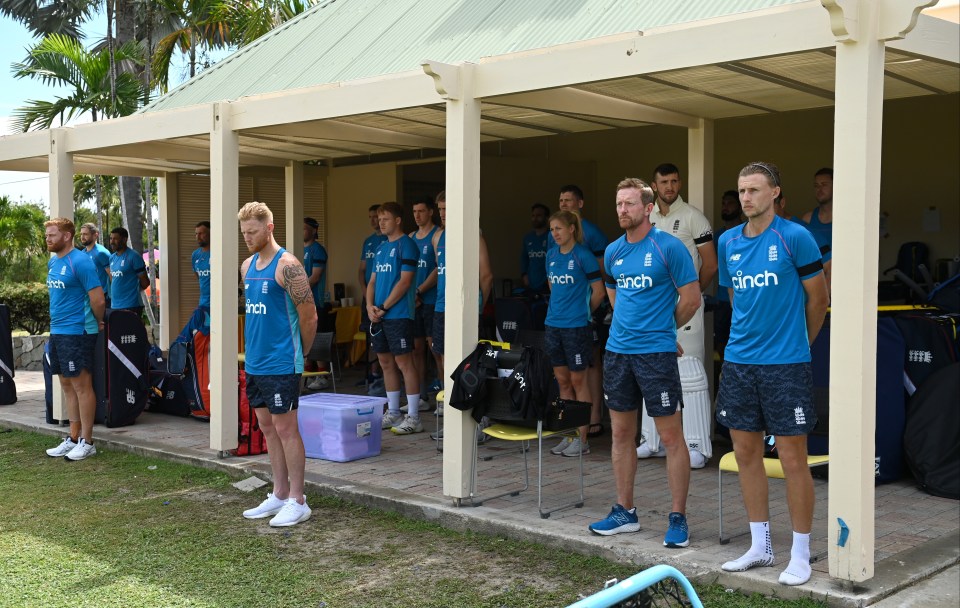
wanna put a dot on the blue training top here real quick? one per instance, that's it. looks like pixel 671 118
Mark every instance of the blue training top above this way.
pixel 570 276
pixel 126 268
pixel 425 265
pixel 646 276
pixel 369 252
pixel 393 258
pixel 100 256
pixel 533 258
pixel 315 256
pixel 819 228
pixel 271 326
pixel 769 323
pixel 200 260
pixel 593 238
pixel 69 279
pixel 441 304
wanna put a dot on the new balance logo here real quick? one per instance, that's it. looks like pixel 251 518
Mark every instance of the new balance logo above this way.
pixel 256 309
pixel 618 262
pixel 735 257
pixel 772 253
pixel 765 279
pixel 638 282
pixel 800 416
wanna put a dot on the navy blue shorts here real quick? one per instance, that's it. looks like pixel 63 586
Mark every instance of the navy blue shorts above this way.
pixel 652 378
pixel 393 336
pixel 570 347
pixel 70 354
pixel 280 394
pixel 423 321
pixel 438 327
pixel 777 399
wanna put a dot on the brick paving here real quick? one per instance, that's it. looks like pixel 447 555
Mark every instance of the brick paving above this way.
pixel 912 527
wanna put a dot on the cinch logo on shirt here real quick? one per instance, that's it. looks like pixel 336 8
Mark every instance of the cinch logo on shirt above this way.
pixel 535 254
pixel 116 273
pixel 562 279
pixel 422 263
pixel 203 273
pixel 638 282
pixel 259 308
pixel 56 284
pixel 370 254
pixel 384 267
pixel 741 281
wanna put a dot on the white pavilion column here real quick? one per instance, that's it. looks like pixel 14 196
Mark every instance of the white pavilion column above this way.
pixel 293 203
pixel 169 259
pixel 224 277
pixel 455 84
pixel 860 26
pixel 61 205
pixel 700 194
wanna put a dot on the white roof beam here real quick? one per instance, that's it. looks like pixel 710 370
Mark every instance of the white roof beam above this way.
pixel 392 92
pixel 576 101
pixel 25 145
pixel 932 38
pixel 790 29
pixel 336 130
pixel 139 128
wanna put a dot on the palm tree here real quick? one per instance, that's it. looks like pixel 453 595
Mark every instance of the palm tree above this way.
pixel 21 240
pixel 198 25
pixel 251 19
pixel 43 18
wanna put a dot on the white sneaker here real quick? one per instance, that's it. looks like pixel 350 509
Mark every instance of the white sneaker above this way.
pixel 560 447
pixel 291 514
pixel 424 406
pixel 409 426
pixel 390 420
pixel 317 383
pixel 81 450
pixel 270 506
pixel 61 450
pixel 697 460
pixel 643 451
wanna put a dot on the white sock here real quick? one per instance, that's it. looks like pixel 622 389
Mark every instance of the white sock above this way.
pixel 760 553
pixel 413 406
pixel 798 570
pixel 393 402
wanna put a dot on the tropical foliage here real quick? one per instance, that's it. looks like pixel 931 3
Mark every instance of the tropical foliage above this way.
pixel 22 248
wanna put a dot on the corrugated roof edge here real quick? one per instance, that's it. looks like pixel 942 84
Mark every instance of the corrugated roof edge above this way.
pixel 152 107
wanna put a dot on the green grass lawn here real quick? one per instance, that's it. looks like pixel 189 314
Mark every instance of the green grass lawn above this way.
pixel 119 530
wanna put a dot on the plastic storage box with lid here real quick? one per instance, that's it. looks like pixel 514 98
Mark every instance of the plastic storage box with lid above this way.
pixel 340 427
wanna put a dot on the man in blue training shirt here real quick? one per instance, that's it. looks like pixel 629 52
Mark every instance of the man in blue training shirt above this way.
pixel 390 306
pixel 279 325
pixel 76 317
pixel 654 289
pixel 129 273
pixel 771 268
pixel 367 254
pixel 425 285
pixel 315 265
pixel 200 261
pixel 533 269
pixel 99 255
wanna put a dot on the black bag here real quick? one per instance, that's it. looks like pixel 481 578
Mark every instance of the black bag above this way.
pixel 166 394
pixel 48 384
pixel 931 440
pixel 8 389
pixel 120 378
pixel 565 414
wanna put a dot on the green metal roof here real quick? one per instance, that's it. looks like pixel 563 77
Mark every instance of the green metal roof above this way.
pixel 342 40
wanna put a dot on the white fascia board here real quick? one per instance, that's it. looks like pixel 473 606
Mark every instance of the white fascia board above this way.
pixel 169 153
pixel 792 29
pixel 575 101
pixel 932 37
pixel 22 146
pixel 379 94
pixel 336 130
pixel 141 128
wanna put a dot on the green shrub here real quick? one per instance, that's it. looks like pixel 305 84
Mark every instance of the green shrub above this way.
pixel 29 305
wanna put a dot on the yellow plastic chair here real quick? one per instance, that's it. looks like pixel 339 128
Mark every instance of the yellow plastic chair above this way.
pixel 773 468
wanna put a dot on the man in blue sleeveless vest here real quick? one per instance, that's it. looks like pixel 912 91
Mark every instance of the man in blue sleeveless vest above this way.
pixel 819 221
pixel 280 324
pixel 653 287
pixel 426 291
pixel 128 271
pixel 390 306
pixel 772 269
pixel 76 317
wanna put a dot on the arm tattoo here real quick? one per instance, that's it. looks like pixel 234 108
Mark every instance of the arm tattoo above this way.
pixel 297 285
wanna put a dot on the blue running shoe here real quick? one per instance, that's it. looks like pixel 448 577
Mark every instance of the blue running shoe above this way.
pixel 619 520
pixel 436 386
pixel 678 535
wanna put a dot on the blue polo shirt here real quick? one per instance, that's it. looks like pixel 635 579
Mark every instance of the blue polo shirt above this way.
pixel 69 280
pixel 392 259
pixel 369 252
pixel 100 256
pixel 126 268
pixel 315 256
pixel 766 272
pixel 533 258
pixel 570 276
pixel 646 276
pixel 200 260
pixel 426 263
